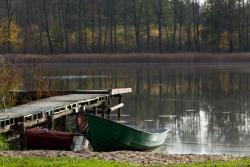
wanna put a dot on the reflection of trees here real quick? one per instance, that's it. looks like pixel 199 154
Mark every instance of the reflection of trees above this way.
pixel 228 111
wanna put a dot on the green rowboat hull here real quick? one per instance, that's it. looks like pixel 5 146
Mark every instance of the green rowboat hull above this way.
pixel 107 135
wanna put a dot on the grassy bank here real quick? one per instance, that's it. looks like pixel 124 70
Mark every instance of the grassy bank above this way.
pixel 131 58
pixel 77 162
pixel 244 162
pixel 56 162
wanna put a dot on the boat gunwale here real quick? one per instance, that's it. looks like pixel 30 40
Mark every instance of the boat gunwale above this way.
pixel 131 127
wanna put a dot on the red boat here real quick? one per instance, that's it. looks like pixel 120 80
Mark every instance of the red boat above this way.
pixel 37 138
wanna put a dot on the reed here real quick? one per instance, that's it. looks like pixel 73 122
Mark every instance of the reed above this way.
pixel 41 82
pixel 10 80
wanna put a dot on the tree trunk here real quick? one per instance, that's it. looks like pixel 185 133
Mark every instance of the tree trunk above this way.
pixel 137 25
pixel 125 21
pixel 158 7
pixel 148 25
pixel 115 25
pixel 99 12
pixel 66 25
pixel 174 33
pixel 47 26
pixel 93 23
pixel 26 26
pixel 80 18
pixel 85 27
pixel 247 31
pixel 239 26
pixel 180 26
pixel 111 25
pixel 196 25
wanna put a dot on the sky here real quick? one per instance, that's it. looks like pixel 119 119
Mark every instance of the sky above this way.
pixel 201 1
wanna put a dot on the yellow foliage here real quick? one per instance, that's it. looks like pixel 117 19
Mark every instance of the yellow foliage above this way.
pixel 224 41
pixel 154 32
pixel 14 32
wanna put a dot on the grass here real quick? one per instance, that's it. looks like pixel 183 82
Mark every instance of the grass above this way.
pixel 77 162
pixel 58 162
pixel 4 145
pixel 244 162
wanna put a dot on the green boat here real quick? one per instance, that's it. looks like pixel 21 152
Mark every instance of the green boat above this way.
pixel 107 135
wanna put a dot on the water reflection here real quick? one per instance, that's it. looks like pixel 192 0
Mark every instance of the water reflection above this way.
pixel 70 77
pixel 206 108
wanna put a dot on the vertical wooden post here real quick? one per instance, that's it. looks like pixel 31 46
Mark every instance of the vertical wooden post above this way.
pixel 103 109
pixel 63 120
pixel 50 122
pixel 95 110
pixel 22 136
pixel 119 110
pixel 107 108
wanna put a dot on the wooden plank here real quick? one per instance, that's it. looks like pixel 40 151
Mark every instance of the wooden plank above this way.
pixel 66 92
pixel 120 91
pixel 116 107
pixel 61 114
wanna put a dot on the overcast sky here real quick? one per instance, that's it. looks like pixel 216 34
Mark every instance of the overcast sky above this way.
pixel 202 1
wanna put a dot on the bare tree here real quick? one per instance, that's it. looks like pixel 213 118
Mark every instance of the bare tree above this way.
pixel 44 5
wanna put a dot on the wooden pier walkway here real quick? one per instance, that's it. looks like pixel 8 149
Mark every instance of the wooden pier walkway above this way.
pixel 46 110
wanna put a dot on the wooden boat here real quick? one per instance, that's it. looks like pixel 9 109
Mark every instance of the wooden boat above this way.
pixel 107 135
pixel 37 138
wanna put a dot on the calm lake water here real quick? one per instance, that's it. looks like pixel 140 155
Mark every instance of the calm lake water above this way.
pixel 205 107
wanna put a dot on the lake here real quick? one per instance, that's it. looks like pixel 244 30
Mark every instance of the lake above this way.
pixel 204 106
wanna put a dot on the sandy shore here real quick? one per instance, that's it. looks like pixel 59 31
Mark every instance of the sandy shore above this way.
pixel 124 156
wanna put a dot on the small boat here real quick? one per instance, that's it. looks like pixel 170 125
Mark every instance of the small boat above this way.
pixel 37 138
pixel 107 135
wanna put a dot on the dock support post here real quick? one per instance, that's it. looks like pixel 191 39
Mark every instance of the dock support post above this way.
pixel 95 110
pixel 50 122
pixel 103 111
pixel 63 121
pixel 119 110
pixel 108 106
pixel 104 108
pixel 22 136
pixel 20 129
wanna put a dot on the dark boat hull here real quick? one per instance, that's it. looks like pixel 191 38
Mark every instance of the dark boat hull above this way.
pixel 37 138
pixel 106 135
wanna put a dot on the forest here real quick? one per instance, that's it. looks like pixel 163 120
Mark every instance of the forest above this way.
pixel 97 26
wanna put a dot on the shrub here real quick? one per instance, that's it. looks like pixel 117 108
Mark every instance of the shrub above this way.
pixel 4 145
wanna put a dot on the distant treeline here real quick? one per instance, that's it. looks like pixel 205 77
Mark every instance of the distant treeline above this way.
pixel 79 26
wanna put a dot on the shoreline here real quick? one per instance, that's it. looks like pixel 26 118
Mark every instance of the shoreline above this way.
pixel 167 58
pixel 140 158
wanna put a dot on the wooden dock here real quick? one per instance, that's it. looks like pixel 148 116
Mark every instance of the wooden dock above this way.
pixel 44 111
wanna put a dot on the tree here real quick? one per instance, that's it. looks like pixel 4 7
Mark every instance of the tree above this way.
pixel 214 22
pixel 125 25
